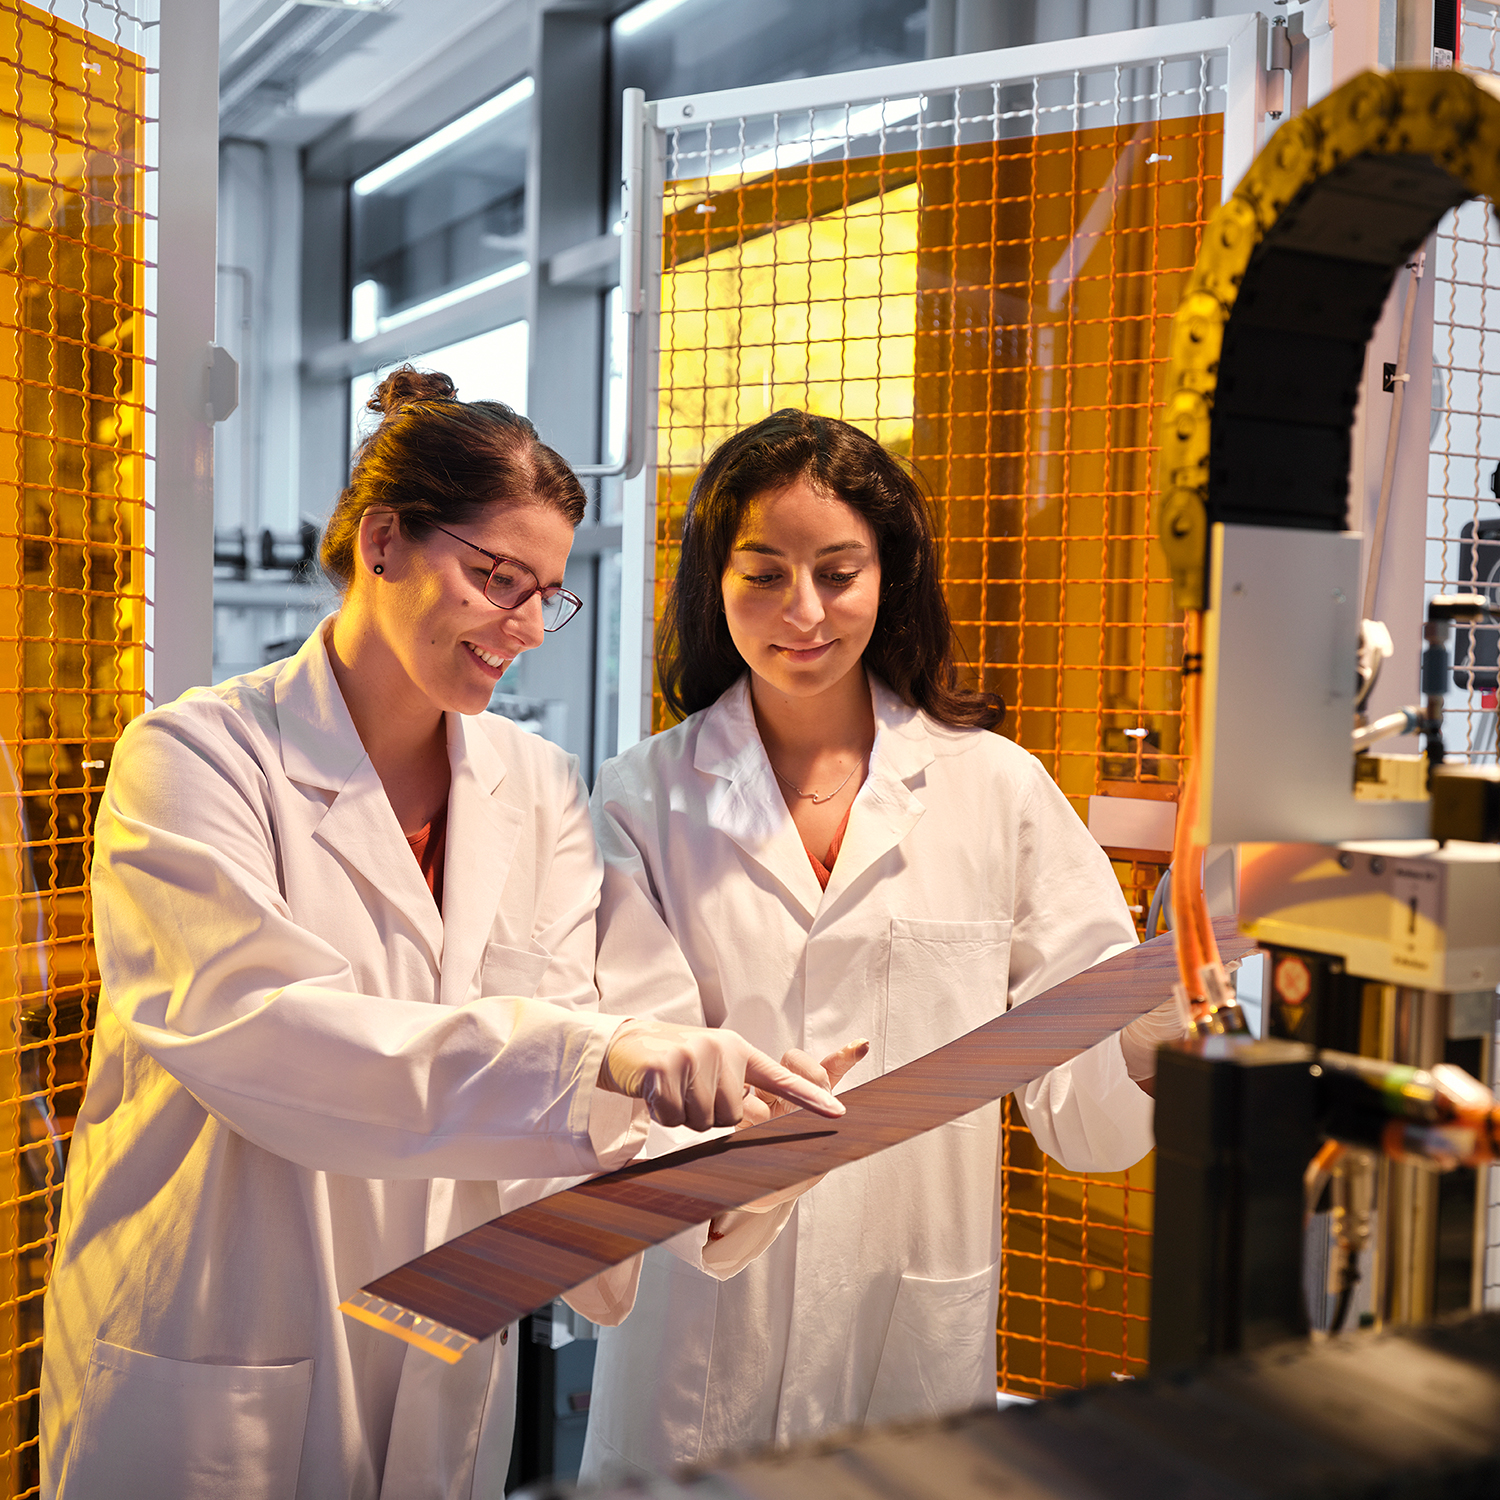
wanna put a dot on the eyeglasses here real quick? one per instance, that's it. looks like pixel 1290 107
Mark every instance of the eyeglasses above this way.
pixel 512 583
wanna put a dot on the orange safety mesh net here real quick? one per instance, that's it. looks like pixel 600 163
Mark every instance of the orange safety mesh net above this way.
pixel 72 600
pixel 997 310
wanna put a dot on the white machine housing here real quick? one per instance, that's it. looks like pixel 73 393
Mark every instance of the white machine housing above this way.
pixel 1280 648
pixel 1399 912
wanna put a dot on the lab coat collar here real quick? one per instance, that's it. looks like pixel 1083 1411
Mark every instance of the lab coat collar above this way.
pixel 750 809
pixel 483 832
pixel 753 812
pixel 320 747
pixel 319 744
pixel 888 807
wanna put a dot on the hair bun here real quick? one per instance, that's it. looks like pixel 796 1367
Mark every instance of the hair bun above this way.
pixel 410 384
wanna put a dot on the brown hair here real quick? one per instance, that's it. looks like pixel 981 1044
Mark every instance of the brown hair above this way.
pixel 912 649
pixel 436 460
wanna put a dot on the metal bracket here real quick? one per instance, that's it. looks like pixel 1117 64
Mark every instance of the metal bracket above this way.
pixel 223 385
pixel 1278 66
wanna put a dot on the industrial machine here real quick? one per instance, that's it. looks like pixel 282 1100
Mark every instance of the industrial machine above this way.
pixel 1393 1416
pixel 1326 1175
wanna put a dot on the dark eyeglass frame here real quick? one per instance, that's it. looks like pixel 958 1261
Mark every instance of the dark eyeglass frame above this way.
pixel 548 594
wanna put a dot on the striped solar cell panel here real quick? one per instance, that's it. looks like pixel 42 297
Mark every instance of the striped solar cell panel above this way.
pixel 469 1289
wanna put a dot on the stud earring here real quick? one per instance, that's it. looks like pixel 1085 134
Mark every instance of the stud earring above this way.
pixel 379 568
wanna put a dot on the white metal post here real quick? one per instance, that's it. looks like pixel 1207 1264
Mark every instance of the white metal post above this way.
pixel 180 581
pixel 638 497
pixel 1088 54
pixel 1245 106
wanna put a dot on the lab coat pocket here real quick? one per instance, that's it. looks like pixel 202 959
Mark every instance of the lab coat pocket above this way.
pixel 939 1352
pixel 167 1429
pixel 513 971
pixel 945 978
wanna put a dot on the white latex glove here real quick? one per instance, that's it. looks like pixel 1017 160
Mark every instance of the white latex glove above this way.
pixel 700 1077
pixel 1140 1039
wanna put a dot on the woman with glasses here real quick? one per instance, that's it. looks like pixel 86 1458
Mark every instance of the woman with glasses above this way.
pixel 839 846
pixel 345 925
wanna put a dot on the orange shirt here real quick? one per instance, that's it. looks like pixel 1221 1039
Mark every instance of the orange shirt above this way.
pixel 823 868
pixel 429 845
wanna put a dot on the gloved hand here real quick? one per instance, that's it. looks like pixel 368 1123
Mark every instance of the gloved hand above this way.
pixel 700 1077
pixel 1140 1039
pixel 828 1074
pixel 762 1107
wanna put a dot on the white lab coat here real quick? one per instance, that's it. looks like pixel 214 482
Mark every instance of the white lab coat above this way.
pixel 965 884
pixel 301 1079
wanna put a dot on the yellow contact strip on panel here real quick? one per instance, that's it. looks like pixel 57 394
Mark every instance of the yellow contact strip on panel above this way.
pixel 425 1333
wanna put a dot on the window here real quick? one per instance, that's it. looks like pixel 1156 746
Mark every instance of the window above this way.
pixel 444 218
pixel 489 367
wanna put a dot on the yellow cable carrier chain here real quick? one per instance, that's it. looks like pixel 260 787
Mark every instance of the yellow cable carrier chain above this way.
pixel 1452 118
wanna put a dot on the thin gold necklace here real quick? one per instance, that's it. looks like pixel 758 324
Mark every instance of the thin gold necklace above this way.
pixel 816 797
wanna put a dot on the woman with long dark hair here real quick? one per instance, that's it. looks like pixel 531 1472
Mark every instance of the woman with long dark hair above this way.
pixel 345 925
pixel 838 847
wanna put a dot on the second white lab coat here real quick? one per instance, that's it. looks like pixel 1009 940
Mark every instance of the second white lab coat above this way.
pixel 303 1076
pixel 965 884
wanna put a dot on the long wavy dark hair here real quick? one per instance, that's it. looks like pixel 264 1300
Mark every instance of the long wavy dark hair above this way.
pixel 912 649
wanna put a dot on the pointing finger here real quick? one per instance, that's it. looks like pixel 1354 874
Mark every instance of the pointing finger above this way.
pixel 772 1078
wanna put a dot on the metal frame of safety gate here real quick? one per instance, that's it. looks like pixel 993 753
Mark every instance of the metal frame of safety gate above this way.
pixel 1248 119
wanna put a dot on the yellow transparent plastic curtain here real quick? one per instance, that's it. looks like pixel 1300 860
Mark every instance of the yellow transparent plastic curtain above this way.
pixel 784 294
pixel 72 522
pixel 998 311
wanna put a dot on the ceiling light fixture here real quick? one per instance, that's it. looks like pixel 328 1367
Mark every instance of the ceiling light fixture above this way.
pixel 440 140
pixel 280 44
pixel 451 299
pixel 639 17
